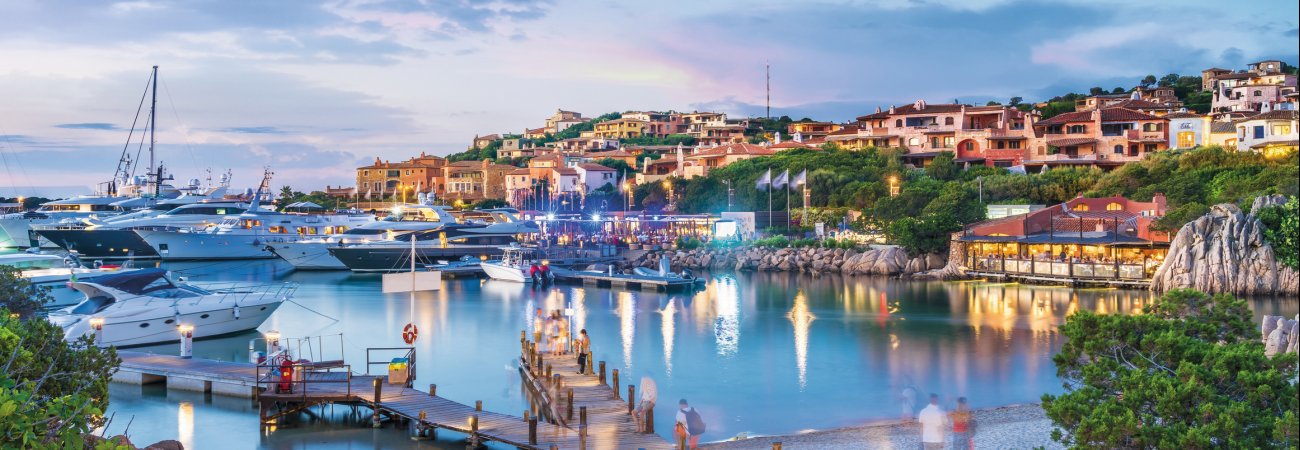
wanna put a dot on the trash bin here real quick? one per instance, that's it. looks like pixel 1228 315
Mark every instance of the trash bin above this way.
pixel 399 371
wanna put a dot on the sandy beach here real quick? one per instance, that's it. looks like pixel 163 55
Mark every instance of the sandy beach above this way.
pixel 1006 427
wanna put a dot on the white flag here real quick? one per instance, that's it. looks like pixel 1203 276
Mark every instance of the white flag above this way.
pixel 368 192
pixel 801 179
pixel 781 180
pixel 765 180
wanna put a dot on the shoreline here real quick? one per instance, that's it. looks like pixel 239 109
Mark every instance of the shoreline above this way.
pixel 1009 426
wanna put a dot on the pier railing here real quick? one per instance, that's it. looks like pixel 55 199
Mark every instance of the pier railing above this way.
pixel 405 352
pixel 305 380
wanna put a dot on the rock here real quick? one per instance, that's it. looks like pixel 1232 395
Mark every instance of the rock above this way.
pixel 934 261
pixel 1265 201
pixel 1276 339
pixel 1224 252
pixel 166 445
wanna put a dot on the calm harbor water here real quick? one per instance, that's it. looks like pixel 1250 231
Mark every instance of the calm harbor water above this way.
pixel 757 353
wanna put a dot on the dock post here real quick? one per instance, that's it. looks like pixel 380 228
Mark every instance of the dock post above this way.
pixel 548 371
pixel 433 389
pixel 374 418
pixel 557 382
pixel 616 384
pixel 590 362
pixel 776 446
pixel 582 415
pixel 473 432
pixel 650 421
pixel 569 405
pixel 527 415
pixel 532 431
pixel 582 437
pixel 478 405
pixel 631 398
pixel 602 372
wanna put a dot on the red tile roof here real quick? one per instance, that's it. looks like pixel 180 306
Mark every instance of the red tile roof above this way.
pixel 742 148
pixel 1107 115
pixel 910 109
pixel 1070 142
pixel 595 167
pixel 1280 114
pixel 844 131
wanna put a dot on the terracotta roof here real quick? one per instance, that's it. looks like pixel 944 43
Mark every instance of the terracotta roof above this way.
pixel 491 137
pixel 1214 69
pixel 742 148
pixel 661 161
pixel 1107 115
pixel 1138 104
pixel 595 167
pixel 1070 142
pixel 1183 115
pixel 1280 114
pixel 521 172
pixel 609 154
pixel 1235 76
pixel 910 109
pixel 565 171
pixel 787 144
pixel 1219 126
pixel 844 131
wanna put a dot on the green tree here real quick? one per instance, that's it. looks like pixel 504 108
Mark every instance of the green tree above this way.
pixel 1096 90
pixel 489 203
pixel 927 235
pixel 943 167
pixel 1282 231
pixel 1015 101
pixel 1188 373
pixel 1169 80
pixel 1148 81
pixel 18 295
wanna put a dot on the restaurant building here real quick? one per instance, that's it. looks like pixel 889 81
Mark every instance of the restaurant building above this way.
pixel 1106 241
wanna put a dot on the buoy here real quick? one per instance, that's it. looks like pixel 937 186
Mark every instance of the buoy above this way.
pixel 409 333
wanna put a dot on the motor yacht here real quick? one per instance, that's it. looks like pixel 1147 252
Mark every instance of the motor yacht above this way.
pixel 313 254
pixel 449 242
pixel 54 272
pixel 118 239
pixel 147 307
pixel 518 264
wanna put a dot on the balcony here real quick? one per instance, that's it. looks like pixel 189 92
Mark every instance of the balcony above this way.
pixel 1145 136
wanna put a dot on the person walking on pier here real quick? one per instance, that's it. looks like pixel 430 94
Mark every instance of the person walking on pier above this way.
pixel 582 345
pixel 689 424
pixel 932 420
pixel 963 426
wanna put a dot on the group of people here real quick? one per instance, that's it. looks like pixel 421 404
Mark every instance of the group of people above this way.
pixel 687 426
pixel 934 421
pixel 552 332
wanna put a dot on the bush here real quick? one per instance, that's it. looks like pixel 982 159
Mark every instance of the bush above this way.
pixel 772 242
pixel 808 242
pixel 688 243
pixel 918 236
pixel 1282 231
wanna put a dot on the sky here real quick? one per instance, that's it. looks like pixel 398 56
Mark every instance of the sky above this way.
pixel 314 89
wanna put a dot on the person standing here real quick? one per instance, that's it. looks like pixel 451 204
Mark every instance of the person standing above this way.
pixel 582 345
pixel 649 394
pixel 932 421
pixel 963 426
pixel 689 424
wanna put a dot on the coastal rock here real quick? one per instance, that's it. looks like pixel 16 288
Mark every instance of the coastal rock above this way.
pixel 166 445
pixel 952 269
pixel 1224 252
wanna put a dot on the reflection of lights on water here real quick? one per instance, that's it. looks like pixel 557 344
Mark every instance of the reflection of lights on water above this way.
pixel 893 341
pixel 669 328
pixel 627 324
pixel 802 320
pixel 726 329
pixel 579 310
pixel 185 424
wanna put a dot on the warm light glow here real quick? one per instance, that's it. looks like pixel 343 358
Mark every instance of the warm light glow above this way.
pixel 802 319
pixel 96 322
pixel 726 329
pixel 627 324
pixel 669 329
pixel 185 424
pixel 185 328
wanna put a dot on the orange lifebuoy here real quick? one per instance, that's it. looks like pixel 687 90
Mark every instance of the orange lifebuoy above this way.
pixel 410 333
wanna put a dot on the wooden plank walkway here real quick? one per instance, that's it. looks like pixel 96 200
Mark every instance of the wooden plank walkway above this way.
pixel 609 421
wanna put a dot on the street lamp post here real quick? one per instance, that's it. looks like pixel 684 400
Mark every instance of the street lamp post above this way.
pixel 893 185
pixel 729 191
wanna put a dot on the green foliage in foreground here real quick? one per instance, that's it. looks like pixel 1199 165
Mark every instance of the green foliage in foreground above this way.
pixel 51 391
pixel 1188 373
pixel 1282 231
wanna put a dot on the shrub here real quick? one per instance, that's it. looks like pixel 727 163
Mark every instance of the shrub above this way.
pixel 772 242
pixel 1282 231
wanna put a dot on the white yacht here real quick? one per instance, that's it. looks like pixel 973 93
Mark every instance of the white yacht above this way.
pixel 17 227
pixel 54 272
pixel 146 307
pixel 449 242
pixel 517 264
pixel 247 235
pixel 118 239
pixel 313 254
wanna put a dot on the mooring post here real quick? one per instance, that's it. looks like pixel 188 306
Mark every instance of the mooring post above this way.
pixel 582 415
pixel 374 418
pixel 776 446
pixel 532 431
pixel 473 431
pixel 433 390
pixel 548 370
pixel 616 384
pixel 650 421
pixel 602 373
pixel 478 405
pixel 631 398
pixel 569 405
pixel 557 382
pixel 582 437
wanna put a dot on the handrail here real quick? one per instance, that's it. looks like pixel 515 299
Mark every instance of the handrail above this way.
pixel 409 354
pixel 269 380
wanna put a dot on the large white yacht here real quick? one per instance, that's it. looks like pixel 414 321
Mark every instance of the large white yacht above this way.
pixel 146 307
pixel 17 226
pixel 54 272
pixel 313 254
pixel 480 239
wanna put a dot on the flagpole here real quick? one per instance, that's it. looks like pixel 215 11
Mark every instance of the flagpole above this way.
pixel 788 223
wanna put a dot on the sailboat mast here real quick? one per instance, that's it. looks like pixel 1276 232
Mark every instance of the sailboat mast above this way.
pixel 153 125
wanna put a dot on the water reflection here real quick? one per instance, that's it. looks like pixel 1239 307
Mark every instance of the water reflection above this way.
pixel 830 350
pixel 802 320
pixel 185 424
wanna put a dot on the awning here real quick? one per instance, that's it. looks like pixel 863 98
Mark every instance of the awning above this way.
pixel 921 155
pixel 1071 142
pixel 968 160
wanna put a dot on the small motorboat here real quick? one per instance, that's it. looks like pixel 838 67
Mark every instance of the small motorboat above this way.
pixel 147 307
pixel 518 264
pixel 664 272
pixel 57 273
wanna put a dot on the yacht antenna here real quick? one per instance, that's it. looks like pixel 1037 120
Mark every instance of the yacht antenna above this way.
pixel 153 125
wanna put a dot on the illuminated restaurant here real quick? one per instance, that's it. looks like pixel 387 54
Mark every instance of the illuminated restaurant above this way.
pixel 1085 240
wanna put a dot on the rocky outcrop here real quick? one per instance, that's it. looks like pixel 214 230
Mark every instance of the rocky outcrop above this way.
pixel 1281 335
pixel 1225 252
pixel 883 260
pixel 950 270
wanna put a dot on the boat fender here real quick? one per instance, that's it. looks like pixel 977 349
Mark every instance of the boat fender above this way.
pixel 236 311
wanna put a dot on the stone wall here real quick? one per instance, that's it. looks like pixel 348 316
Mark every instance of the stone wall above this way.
pixel 883 260
pixel 1225 252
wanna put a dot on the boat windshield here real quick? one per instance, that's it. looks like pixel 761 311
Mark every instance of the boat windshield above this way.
pixel 92 305
pixel 34 263
pixel 139 282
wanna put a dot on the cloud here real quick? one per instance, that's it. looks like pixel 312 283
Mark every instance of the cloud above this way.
pixel 88 126
pixel 252 130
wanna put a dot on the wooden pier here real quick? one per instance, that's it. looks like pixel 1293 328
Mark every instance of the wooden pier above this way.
pixel 589 403
pixel 630 281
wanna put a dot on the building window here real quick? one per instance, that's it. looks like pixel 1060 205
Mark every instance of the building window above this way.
pixel 1149 148
pixel 1186 139
pixel 1013 144
pixel 898 123
pixel 968 146
pixel 1114 206
pixel 1119 149
pixel 1281 129
pixel 365 173
pixel 914 141
pixel 947 121
pixel 1259 93
pixel 1042 150
pixel 1080 207
pixel 1077 129
pixel 1259 132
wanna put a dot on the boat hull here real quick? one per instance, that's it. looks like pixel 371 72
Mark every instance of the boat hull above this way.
pixel 498 271
pixel 171 245
pixel 398 258
pixel 101 243
pixel 17 232
pixel 161 328
pixel 308 255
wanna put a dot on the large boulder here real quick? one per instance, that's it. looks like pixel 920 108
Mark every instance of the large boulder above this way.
pixel 1224 252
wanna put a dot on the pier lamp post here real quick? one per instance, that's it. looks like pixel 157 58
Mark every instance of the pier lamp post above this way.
pixel 628 188
pixel 187 340
pixel 668 185
pixel 97 324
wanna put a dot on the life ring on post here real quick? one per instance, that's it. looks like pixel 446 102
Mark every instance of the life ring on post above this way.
pixel 409 333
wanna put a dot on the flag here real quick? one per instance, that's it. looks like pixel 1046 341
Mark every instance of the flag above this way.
pixel 801 179
pixel 781 180
pixel 765 180
pixel 369 192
